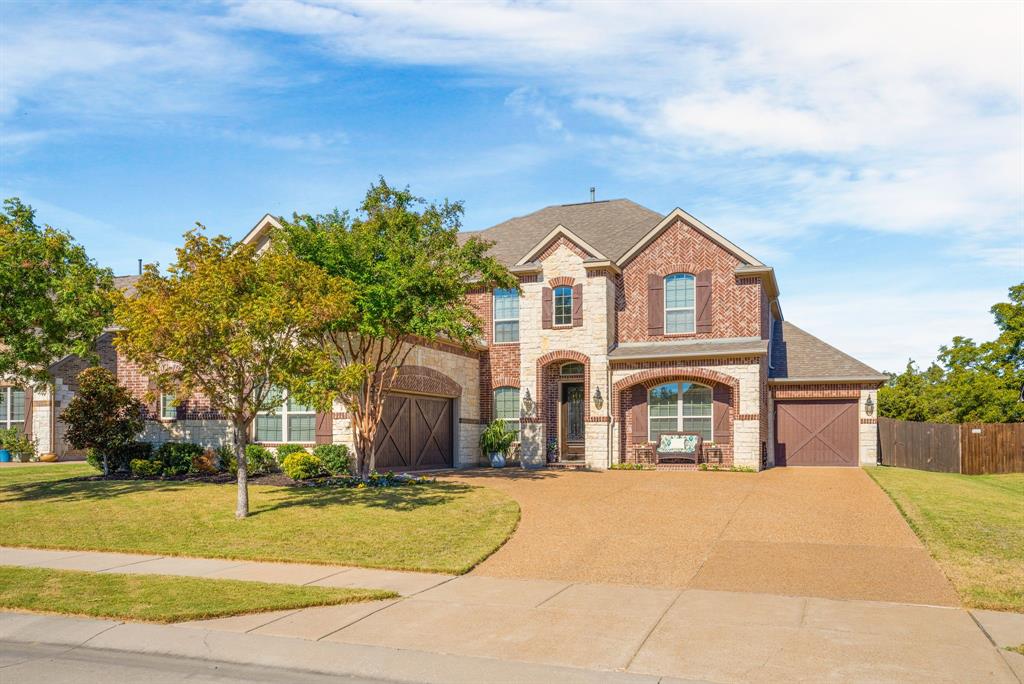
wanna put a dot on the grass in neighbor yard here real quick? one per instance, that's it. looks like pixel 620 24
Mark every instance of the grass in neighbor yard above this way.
pixel 158 598
pixel 972 524
pixel 440 527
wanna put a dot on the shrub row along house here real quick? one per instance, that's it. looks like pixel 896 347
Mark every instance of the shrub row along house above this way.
pixel 628 326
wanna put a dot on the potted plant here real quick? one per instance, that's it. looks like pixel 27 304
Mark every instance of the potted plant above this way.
pixel 552 452
pixel 7 439
pixel 495 441
pixel 23 447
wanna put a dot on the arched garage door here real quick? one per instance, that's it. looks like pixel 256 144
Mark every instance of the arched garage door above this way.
pixel 816 433
pixel 415 433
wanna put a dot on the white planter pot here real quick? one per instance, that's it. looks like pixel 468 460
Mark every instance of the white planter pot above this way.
pixel 497 460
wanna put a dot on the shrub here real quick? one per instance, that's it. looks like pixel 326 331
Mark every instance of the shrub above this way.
pixel 204 463
pixel 103 416
pixel 303 466
pixel 176 457
pixel 286 450
pixel 335 457
pixel 226 459
pixel 140 467
pixel 259 460
pixel 120 458
pixel 631 466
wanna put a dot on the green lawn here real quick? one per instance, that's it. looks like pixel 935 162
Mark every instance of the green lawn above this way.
pixel 442 527
pixel 158 598
pixel 972 524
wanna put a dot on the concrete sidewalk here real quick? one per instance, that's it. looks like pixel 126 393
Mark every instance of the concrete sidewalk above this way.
pixel 404 583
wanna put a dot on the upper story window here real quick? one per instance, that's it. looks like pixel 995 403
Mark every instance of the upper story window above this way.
pixel 680 304
pixel 506 315
pixel 168 411
pixel 290 421
pixel 563 305
pixel 12 408
pixel 506 407
pixel 680 407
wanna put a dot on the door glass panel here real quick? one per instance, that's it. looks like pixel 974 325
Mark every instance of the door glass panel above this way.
pixel 575 414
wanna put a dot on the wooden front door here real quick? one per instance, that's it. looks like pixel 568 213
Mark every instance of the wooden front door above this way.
pixel 415 433
pixel 572 435
pixel 816 433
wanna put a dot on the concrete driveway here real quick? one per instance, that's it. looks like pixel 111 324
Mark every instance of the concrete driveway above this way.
pixel 825 532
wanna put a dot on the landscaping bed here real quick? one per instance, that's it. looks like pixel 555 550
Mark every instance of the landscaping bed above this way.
pixel 435 526
pixel 973 525
pixel 159 598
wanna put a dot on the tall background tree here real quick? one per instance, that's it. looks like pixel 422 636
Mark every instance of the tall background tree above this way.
pixel 410 276
pixel 969 382
pixel 231 325
pixel 54 300
pixel 102 415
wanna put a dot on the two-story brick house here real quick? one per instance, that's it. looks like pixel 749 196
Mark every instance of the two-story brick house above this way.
pixel 628 325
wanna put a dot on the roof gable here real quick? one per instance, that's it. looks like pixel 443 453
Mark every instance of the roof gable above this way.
pixel 678 214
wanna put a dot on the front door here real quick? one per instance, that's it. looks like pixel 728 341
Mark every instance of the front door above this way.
pixel 571 431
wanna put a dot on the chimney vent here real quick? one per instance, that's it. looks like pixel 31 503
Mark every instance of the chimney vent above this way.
pixel 140 266
pixel 593 194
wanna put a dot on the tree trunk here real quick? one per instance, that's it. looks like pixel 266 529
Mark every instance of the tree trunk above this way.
pixel 106 465
pixel 242 510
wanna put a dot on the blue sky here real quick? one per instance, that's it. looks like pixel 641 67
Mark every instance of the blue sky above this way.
pixel 871 153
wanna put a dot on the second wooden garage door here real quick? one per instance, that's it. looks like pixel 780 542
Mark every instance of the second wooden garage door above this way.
pixel 816 433
pixel 415 433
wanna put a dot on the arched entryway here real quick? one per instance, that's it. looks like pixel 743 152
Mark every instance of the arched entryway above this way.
pixel 563 385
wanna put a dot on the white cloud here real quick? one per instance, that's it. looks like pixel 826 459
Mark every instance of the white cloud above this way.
pixel 530 102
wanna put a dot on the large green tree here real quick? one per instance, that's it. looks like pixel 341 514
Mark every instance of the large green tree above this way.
pixel 970 381
pixel 410 276
pixel 230 324
pixel 102 415
pixel 54 299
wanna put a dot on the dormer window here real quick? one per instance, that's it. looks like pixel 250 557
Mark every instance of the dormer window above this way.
pixel 563 305
pixel 680 304
pixel 506 315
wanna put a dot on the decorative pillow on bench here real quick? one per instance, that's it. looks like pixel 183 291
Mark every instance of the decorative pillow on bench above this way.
pixel 682 444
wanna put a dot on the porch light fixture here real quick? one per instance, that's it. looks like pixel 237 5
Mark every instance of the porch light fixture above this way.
pixel 528 403
pixel 598 399
pixel 869 407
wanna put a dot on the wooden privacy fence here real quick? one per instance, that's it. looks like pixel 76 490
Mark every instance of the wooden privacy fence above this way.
pixel 971 448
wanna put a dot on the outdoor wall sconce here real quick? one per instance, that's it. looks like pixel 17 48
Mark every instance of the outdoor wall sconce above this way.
pixel 528 403
pixel 869 407
pixel 598 399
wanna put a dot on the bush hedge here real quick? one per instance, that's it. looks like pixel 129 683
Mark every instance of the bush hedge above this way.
pixel 120 458
pixel 303 466
pixel 285 450
pixel 140 467
pixel 176 457
pixel 259 460
pixel 335 458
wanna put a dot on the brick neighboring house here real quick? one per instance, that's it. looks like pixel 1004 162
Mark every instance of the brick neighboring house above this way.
pixel 629 324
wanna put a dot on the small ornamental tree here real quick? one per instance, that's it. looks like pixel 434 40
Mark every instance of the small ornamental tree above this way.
pixel 410 275
pixel 230 324
pixel 102 415
pixel 54 300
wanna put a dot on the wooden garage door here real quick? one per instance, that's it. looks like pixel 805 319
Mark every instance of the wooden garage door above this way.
pixel 816 433
pixel 415 432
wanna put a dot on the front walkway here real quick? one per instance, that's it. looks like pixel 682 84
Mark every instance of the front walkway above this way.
pixel 825 532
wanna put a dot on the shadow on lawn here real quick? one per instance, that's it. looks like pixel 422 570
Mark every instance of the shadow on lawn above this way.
pixel 80 489
pixel 405 498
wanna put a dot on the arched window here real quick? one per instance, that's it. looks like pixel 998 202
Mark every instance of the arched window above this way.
pixel 571 368
pixel 563 305
pixel 506 407
pixel 506 315
pixel 680 407
pixel 680 310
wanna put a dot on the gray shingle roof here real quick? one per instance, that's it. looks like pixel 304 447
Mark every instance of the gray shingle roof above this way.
pixel 682 349
pixel 609 226
pixel 126 283
pixel 799 355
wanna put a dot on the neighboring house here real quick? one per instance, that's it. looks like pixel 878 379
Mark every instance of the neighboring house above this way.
pixel 629 325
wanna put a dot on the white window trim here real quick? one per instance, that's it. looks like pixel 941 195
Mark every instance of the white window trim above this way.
pixel 164 406
pixel 679 408
pixel 494 404
pixel 494 323
pixel 282 410
pixel 665 307
pixel 6 420
pixel 554 306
